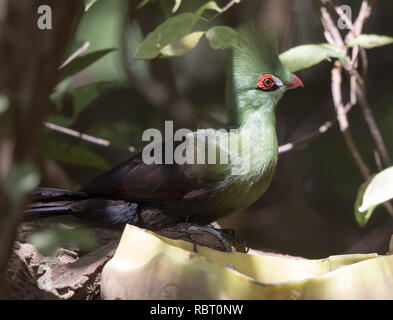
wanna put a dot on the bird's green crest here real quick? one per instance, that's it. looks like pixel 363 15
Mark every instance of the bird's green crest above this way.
pixel 255 54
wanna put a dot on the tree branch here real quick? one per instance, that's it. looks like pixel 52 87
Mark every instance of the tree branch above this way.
pixel 333 36
pixel 307 138
pixel 226 8
pixel 343 120
pixel 373 127
pixel 85 137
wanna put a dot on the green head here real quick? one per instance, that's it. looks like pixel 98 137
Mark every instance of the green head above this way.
pixel 257 79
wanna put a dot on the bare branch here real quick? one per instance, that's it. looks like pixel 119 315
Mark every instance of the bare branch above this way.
pixel 343 120
pixel 333 36
pixel 356 30
pixel 77 53
pixel 359 93
pixel 85 137
pixel 307 138
pixel 341 14
pixel 376 134
pixel 226 8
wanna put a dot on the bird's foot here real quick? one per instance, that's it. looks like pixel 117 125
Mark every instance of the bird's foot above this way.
pixel 215 232
pixel 217 239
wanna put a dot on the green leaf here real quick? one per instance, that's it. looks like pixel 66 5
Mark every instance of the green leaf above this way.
pixel 83 96
pixel 21 180
pixel 222 37
pixel 60 92
pixel 4 103
pixel 167 33
pixel 48 241
pixel 211 5
pixel 369 41
pixel 176 6
pixel 373 192
pixel 61 150
pixel 82 62
pixel 183 45
pixel 308 55
pixel 60 119
pixel 89 4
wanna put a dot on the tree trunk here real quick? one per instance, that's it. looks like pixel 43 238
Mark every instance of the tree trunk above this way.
pixel 29 58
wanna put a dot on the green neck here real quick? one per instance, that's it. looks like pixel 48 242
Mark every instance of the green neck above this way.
pixel 257 130
pixel 260 125
pixel 257 120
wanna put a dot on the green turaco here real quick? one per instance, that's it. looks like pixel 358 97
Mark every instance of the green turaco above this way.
pixel 211 174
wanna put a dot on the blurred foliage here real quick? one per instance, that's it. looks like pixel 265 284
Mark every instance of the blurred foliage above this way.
pixel 89 4
pixel 221 37
pixel 21 180
pixel 4 102
pixel 171 31
pixel 82 62
pixel 60 236
pixel 57 148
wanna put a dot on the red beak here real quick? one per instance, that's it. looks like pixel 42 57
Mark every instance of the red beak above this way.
pixel 296 82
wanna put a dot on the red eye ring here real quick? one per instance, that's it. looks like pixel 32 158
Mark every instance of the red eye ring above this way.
pixel 265 82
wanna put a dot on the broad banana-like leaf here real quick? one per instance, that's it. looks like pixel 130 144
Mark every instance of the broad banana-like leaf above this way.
pixel 148 266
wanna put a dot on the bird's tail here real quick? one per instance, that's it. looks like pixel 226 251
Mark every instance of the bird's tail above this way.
pixel 50 201
pixel 98 211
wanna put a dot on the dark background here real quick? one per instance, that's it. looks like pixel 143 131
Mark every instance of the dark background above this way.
pixel 308 210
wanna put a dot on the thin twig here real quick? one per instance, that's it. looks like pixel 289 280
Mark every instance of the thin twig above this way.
pixel 378 161
pixel 357 93
pixel 343 120
pixel 333 36
pixel 355 31
pixel 85 137
pixel 77 53
pixel 303 140
pixel 363 55
pixel 358 90
pixel 342 15
pixel 226 8
pixel 376 134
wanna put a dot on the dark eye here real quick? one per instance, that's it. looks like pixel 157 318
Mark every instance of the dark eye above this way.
pixel 266 83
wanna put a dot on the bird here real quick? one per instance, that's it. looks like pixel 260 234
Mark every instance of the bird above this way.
pixel 159 195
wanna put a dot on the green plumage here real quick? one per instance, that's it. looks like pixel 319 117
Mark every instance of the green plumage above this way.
pixel 253 113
